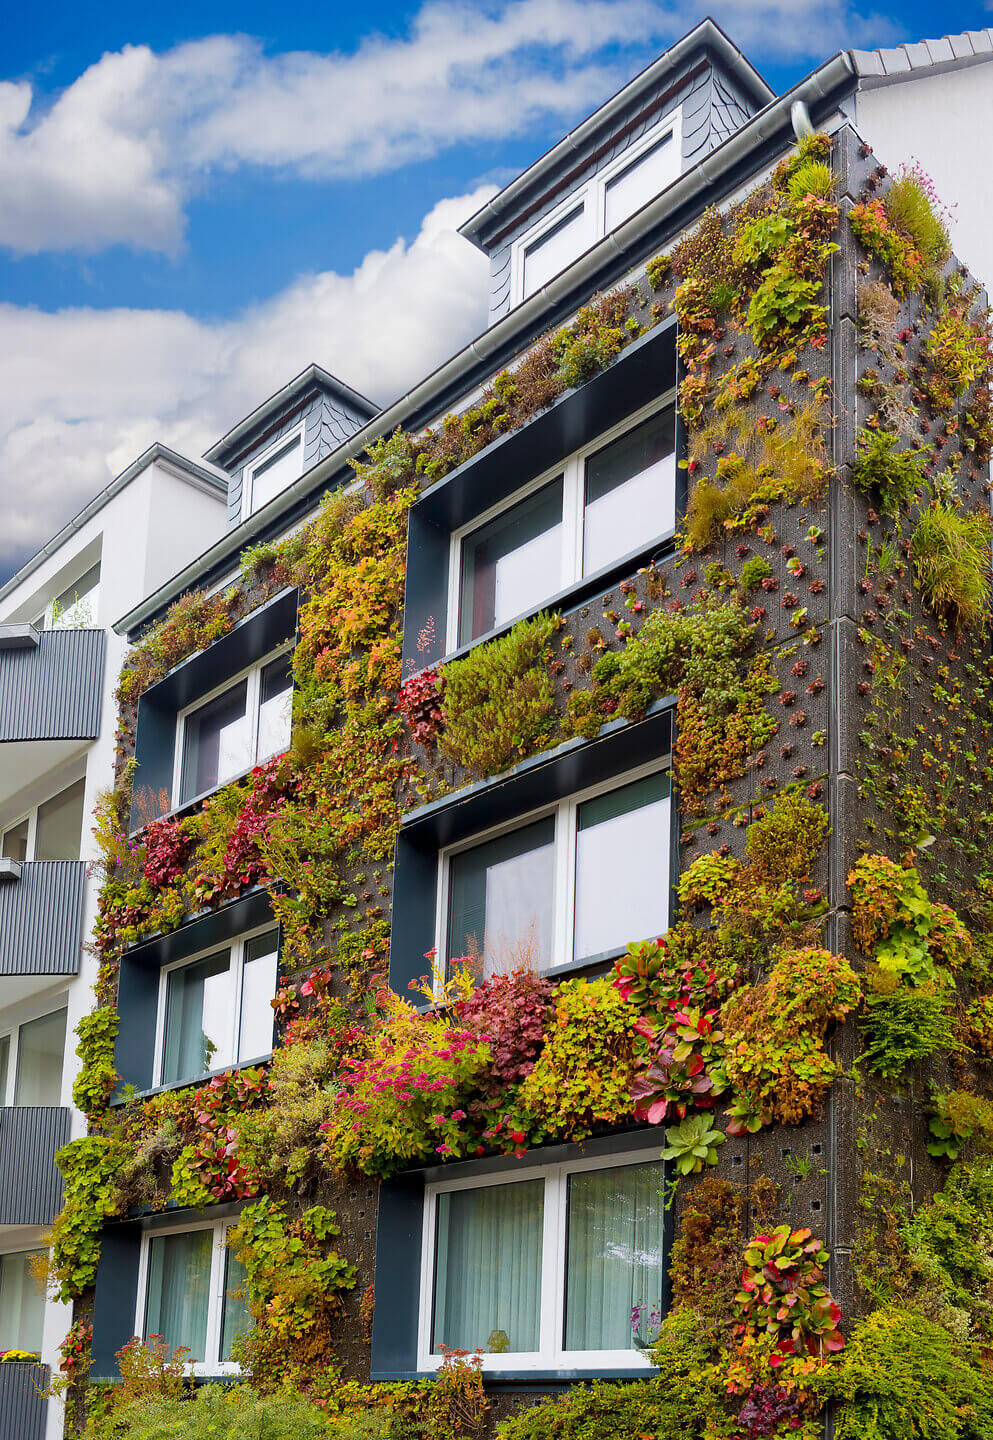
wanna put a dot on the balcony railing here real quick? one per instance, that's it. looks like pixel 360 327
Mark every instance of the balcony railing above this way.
pixel 41 917
pixel 30 1182
pixel 22 1400
pixel 50 683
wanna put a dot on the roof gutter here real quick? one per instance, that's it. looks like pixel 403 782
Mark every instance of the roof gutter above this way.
pixel 205 477
pixel 822 82
pixel 707 33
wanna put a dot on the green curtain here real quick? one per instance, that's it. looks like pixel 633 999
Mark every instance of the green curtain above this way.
pixel 614 1256
pixel 235 1317
pixel 488 1275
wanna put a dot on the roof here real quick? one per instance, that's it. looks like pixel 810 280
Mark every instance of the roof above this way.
pixel 283 399
pixel 707 34
pixel 203 476
pixel 913 62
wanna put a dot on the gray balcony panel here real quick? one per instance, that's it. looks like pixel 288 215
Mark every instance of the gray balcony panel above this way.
pixel 52 691
pixel 30 1181
pixel 22 1400
pixel 41 919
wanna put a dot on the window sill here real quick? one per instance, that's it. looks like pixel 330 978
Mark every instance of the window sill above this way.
pixel 529 1379
pixel 118 1100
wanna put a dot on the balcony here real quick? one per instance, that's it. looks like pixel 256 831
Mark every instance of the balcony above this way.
pixel 30 1181
pixel 50 691
pixel 22 1400
pixel 41 922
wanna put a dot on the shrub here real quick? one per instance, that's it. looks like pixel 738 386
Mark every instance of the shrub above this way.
pixel 499 700
pixel 951 550
pixel 583 1075
pixel 509 1013
pixel 774 1036
pixel 872 226
pixel 960 1117
pixel 903 1377
pixel 783 1298
pixel 881 466
pixel 219 1412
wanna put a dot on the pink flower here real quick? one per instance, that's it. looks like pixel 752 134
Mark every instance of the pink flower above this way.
pixel 437 1119
pixel 458 1114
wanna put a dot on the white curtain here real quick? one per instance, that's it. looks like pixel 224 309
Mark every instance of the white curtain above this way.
pixel 235 1317
pixel 614 1258
pixel 488 1276
pixel 179 1290
pixel 198 1024
pixel 22 1303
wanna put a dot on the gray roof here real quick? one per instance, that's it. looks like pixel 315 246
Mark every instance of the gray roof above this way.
pixel 205 477
pixel 706 34
pixel 913 62
pixel 283 399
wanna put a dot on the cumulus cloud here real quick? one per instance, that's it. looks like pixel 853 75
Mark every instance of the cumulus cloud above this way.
pixel 117 155
pixel 85 391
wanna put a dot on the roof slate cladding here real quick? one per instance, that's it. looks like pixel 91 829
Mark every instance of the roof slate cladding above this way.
pixel 330 412
pixel 704 77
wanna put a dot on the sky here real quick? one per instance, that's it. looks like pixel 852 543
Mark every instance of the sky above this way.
pixel 198 201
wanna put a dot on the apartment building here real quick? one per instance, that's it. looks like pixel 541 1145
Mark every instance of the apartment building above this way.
pixel 557 854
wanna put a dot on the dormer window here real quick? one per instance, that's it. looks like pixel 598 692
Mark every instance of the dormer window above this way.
pixel 595 208
pixel 606 502
pixel 271 472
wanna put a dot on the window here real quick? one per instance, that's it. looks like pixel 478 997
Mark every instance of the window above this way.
pixel 31 1057
pixel 639 181
pixel 52 831
pixel 570 887
pixel 75 608
pixel 559 1266
pixel 273 471
pixel 554 249
pixel 608 502
pixel 214 1010
pixel 244 724
pixel 22 1302
pixel 191 1293
pixel 604 201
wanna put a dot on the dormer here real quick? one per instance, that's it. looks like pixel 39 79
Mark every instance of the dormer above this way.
pixel 285 436
pixel 622 157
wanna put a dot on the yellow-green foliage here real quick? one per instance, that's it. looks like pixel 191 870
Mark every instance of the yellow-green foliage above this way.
pixel 951 550
pixel 583 1075
pixel 499 700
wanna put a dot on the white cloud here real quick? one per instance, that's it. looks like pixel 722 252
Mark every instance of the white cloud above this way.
pixel 116 157
pixel 85 391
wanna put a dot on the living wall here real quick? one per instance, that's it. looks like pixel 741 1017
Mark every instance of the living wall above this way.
pixel 736 1031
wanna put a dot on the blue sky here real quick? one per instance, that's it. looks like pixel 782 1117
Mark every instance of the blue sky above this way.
pixel 198 200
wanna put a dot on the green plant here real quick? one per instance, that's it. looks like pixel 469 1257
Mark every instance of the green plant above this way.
pixel 498 703
pixel 959 1117
pixel 753 572
pixel 904 1377
pixel 583 1075
pixel 882 467
pixel 97 1079
pixel 692 1144
pixel 89 1169
pixel 904 1024
pixel 871 225
pixel 812 177
pixel 912 206
pixel 951 550
pixel 221 1412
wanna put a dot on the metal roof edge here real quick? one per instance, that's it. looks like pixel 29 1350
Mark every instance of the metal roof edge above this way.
pixel 825 80
pixel 205 477
pixel 706 34
pixel 313 374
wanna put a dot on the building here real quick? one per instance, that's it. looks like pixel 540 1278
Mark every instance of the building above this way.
pixel 795 401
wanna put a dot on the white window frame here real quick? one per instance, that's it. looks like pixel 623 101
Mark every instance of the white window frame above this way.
pixel 31 816
pixel 253 466
pixel 38 1249
pixel 253 674
pixel 236 949
pixel 592 195
pixel 573 472
pixel 565 812
pixel 550 1354
pixel 12 1031
pixel 215 1302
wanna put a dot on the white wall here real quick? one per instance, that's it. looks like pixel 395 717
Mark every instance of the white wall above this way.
pixel 944 121
pixel 144 534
